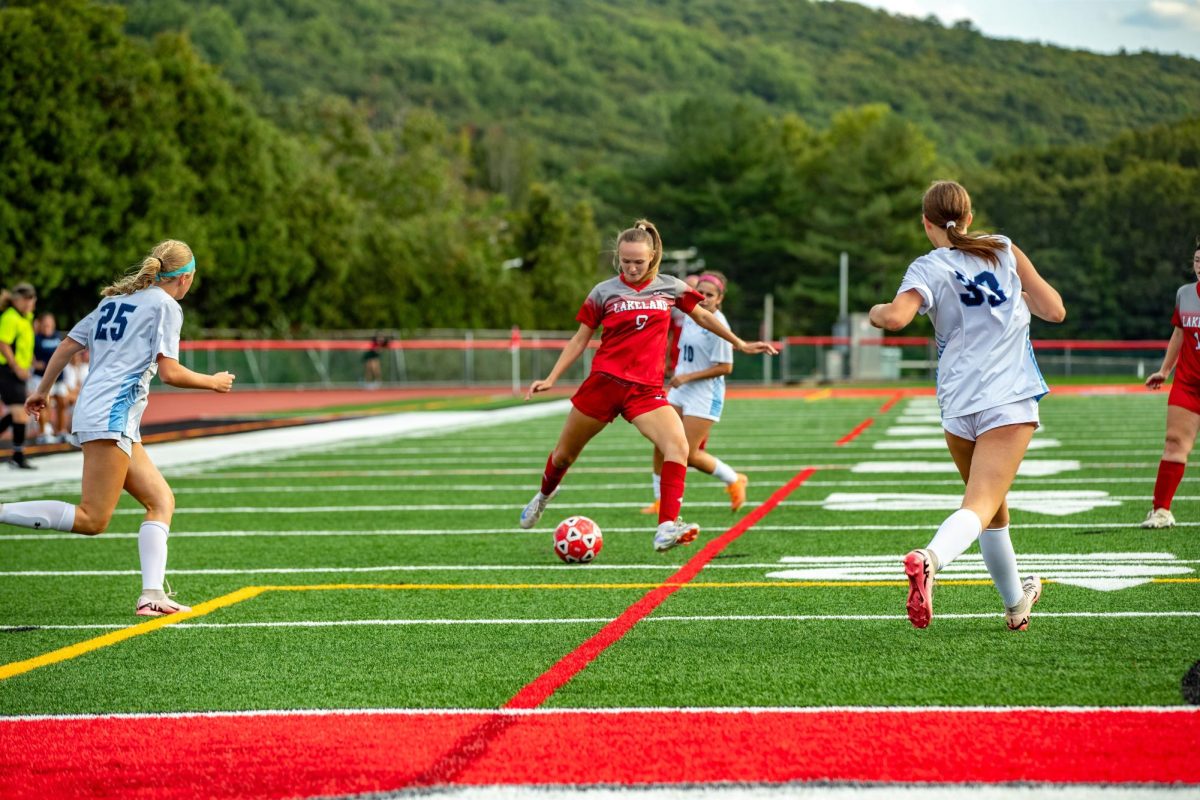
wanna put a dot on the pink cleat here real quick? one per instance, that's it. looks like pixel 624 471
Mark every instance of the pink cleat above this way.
pixel 918 566
pixel 156 603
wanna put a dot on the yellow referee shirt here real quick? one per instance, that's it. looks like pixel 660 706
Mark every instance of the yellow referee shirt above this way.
pixel 16 330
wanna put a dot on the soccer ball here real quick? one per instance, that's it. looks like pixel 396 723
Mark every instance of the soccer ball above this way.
pixel 577 540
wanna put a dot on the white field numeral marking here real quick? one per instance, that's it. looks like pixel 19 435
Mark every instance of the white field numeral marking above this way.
pixel 939 443
pixel 1029 468
pixel 1055 503
pixel 1103 572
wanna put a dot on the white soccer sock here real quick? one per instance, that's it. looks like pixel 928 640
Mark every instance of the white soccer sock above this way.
pixel 657 486
pixel 724 472
pixel 956 534
pixel 39 514
pixel 152 549
pixel 1001 563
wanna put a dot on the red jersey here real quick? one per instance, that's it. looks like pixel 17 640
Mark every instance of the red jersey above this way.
pixel 1187 317
pixel 636 319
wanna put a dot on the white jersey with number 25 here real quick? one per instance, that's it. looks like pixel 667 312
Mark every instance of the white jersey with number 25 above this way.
pixel 125 334
pixel 981 326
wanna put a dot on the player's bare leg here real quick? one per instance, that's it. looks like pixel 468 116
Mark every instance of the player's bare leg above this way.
pixel 1182 426
pixel 577 431
pixel 988 467
pixel 697 430
pixel 664 428
pixel 149 488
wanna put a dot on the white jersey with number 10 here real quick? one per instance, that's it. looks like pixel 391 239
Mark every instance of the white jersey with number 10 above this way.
pixel 981 326
pixel 125 334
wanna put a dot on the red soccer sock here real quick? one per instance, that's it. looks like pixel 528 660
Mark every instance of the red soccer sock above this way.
pixel 553 476
pixel 672 491
pixel 1170 473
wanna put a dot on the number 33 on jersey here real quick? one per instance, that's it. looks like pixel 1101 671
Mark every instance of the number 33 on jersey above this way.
pixel 985 358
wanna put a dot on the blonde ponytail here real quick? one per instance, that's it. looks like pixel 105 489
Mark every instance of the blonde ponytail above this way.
pixel 642 231
pixel 165 257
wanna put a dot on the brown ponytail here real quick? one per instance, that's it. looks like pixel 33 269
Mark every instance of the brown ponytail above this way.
pixel 165 257
pixel 947 205
pixel 642 231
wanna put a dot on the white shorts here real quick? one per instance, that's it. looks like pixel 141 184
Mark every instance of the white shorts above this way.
pixel 123 441
pixel 972 426
pixel 703 399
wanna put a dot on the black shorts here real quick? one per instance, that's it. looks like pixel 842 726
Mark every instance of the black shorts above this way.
pixel 12 388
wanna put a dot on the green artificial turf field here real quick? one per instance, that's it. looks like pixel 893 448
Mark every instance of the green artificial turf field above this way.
pixel 402 580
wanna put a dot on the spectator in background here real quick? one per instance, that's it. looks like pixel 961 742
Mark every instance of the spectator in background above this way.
pixel 46 339
pixel 75 374
pixel 16 358
pixel 372 368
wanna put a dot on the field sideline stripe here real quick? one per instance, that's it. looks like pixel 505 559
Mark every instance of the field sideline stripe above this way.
pixel 546 684
pixel 108 639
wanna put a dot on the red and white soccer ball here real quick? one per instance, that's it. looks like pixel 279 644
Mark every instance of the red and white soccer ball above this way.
pixel 577 540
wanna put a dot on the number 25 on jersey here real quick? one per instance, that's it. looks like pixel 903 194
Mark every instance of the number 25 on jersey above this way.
pixel 113 319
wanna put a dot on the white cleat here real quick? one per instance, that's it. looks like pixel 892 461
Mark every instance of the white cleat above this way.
pixel 535 508
pixel 1017 617
pixel 156 603
pixel 673 534
pixel 1159 518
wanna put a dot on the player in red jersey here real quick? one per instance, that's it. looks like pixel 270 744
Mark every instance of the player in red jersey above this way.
pixel 1183 404
pixel 677 318
pixel 634 309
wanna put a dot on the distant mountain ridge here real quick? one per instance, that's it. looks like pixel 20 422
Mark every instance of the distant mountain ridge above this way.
pixel 581 81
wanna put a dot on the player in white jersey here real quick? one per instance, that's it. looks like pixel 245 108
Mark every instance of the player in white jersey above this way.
pixel 698 393
pixel 132 334
pixel 979 292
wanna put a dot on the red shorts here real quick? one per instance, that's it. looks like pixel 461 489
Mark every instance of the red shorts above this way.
pixel 1185 397
pixel 603 397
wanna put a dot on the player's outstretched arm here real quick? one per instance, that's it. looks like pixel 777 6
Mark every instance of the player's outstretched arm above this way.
pixel 897 314
pixel 570 353
pixel 1170 358
pixel 66 349
pixel 1042 298
pixel 709 322
pixel 175 374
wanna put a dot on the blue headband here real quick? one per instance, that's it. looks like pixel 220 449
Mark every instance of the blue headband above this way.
pixel 175 273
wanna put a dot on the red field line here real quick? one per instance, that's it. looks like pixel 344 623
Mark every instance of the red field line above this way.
pixel 538 690
pixel 854 434
pixel 285 755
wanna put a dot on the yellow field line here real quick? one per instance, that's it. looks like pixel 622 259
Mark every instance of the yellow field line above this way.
pixel 108 639
pixel 823 394
pixel 250 592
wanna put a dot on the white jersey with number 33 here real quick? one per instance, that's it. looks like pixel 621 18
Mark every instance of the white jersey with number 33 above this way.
pixel 981 326
pixel 125 334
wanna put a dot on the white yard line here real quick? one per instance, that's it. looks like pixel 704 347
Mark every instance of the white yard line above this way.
pixel 284 442
pixel 1133 524
pixel 354 623
pixel 888 566
pixel 551 711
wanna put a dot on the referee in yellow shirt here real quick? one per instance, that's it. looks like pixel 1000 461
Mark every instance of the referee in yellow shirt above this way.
pixel 16 356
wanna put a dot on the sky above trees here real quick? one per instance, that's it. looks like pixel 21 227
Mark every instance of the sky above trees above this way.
pixel 1104 26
